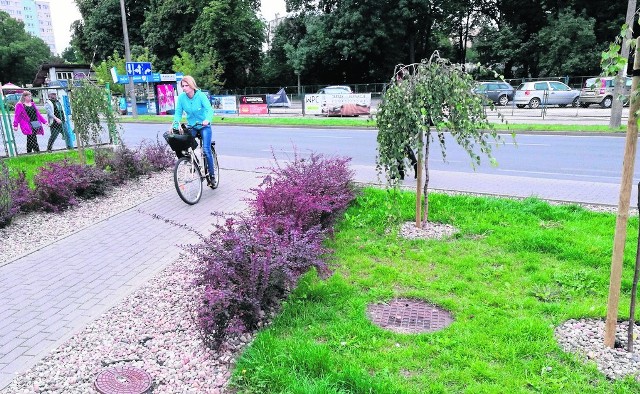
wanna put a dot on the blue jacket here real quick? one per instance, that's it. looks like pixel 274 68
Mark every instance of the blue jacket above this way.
pixel 197 108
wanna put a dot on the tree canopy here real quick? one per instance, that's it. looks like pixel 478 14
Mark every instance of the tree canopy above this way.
pixel 20 53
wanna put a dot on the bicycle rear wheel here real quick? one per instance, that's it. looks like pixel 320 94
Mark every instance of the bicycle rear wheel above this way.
pixel 188 181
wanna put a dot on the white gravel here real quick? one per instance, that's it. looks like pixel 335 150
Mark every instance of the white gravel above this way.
pixel 154 328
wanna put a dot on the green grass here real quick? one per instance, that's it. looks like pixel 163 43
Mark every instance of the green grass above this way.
pixel 316 121
pixel 31 164
pixel 516 270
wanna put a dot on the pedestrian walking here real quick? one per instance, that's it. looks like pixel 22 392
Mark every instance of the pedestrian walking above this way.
pixel 56 117
pixel 29 120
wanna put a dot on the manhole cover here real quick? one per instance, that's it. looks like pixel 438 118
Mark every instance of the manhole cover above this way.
pixel 123 380
pixel 409 316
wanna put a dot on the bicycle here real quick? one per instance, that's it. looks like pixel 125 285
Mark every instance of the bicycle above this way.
pixel 191 168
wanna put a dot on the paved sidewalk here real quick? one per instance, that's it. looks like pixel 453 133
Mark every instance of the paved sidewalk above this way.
pixel 53 293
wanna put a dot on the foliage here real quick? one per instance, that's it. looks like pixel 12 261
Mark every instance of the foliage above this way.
pixel 312 190
pixel 123 163
pixel 91 109
pixel 229 33
pixel 508 278
pixel 14 194
pixel 20 53
pixel 423 102
pixel 158 155
pixel 59 185
pixel 569 44
pixel 206 70
pixel 103 71
pixel 250 263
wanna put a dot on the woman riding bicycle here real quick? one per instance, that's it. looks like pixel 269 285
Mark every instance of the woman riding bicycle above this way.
pixel 196 105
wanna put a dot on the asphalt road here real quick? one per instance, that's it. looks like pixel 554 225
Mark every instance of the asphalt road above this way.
pixel 540 164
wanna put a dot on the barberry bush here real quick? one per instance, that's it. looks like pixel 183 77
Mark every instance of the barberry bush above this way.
pixel 59 185
pixel 123 163
pixel 251 263
pixel 157 154
pixel 314 190
pixel 14 193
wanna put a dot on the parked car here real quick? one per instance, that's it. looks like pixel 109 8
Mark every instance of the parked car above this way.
pixel 497 91
pixel 335 89
pixel 600 91
pixel 534 94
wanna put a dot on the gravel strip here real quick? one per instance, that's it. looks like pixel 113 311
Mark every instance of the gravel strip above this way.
pixel 30 232
pixel 154 328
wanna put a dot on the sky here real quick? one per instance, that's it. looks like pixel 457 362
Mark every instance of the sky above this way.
pixel 65 12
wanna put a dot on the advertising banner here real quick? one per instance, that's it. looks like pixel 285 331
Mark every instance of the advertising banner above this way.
pixel 254 105
pixel 224 104
pixel 166 98
pixel 338 104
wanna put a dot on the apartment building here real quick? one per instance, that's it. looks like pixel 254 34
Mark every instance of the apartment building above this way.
pixel 36 16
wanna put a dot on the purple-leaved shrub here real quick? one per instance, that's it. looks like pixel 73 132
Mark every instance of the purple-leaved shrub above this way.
pixel 249 265
pixel 8 206
pixel 158 154
pixel 313 190
pixel 122 163
pixel 59 185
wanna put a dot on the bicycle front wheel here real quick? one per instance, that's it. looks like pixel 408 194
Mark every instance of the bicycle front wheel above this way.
pixel 215 179
pixel 188 181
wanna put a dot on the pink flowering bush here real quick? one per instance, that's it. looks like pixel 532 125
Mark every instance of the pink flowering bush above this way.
pixel 158 154
pixel 250 264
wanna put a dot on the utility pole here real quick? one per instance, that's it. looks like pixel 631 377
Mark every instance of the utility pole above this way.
pixel 127 58
pixel 616 108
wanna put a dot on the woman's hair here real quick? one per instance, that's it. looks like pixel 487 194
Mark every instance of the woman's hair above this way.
pixel 188 79
pixel 24 94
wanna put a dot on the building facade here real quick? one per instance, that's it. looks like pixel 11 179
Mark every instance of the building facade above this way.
pixel 36 16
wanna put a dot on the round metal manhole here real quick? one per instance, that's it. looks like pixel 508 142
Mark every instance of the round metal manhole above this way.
pixel 123 380
pixel 409 316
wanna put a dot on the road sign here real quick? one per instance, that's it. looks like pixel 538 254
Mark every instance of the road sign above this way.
pixel 138 68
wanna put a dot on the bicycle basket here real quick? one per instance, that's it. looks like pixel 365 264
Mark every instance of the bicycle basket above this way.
pixel 180 143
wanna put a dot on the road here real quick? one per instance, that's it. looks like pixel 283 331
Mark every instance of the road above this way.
pixel 540 164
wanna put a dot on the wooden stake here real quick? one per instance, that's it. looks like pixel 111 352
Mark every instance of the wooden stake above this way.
pixel 623 207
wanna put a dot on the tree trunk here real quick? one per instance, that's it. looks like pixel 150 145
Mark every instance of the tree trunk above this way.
pixel 616 109
pixel 425 210
pixel 623 208
pixel 419 183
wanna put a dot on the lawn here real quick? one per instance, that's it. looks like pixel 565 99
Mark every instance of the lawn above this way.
pixel 515 271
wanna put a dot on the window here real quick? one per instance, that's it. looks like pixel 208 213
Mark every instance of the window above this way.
pixel 540 86
pixel 559 86
pixel 64 75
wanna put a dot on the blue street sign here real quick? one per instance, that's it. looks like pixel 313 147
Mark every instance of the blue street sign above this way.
pixel 138 68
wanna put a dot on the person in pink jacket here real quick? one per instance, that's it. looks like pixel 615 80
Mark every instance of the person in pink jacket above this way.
pixel 28 117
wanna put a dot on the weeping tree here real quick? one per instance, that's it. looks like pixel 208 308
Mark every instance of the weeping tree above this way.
pixel 422 103
pixel 91 109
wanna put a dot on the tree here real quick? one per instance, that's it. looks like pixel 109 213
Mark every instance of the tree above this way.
pixel 99 32
pixel 72 55
pixel 103 71
pixel 20 53
pixel 422 102
pixel 91 109
pixel 231 32
pixel 568 45
pixel 206 69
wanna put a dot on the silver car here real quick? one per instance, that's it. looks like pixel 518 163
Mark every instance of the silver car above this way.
pixel 534 94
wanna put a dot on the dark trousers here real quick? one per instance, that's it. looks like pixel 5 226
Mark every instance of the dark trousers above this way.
pixel 32 143
pixel 56 130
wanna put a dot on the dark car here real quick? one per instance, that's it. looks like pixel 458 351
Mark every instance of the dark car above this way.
pixel 497 91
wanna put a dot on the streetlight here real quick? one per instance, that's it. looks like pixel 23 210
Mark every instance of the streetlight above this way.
pixel 127 58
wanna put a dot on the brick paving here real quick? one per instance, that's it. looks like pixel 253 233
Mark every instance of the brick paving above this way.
pixel 54 292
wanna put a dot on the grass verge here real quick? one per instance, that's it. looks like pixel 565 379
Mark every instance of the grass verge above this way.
pixel 515 270
pixel 314 121
pixel 31 164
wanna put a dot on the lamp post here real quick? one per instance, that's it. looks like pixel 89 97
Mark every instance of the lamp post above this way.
pixel 127 58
